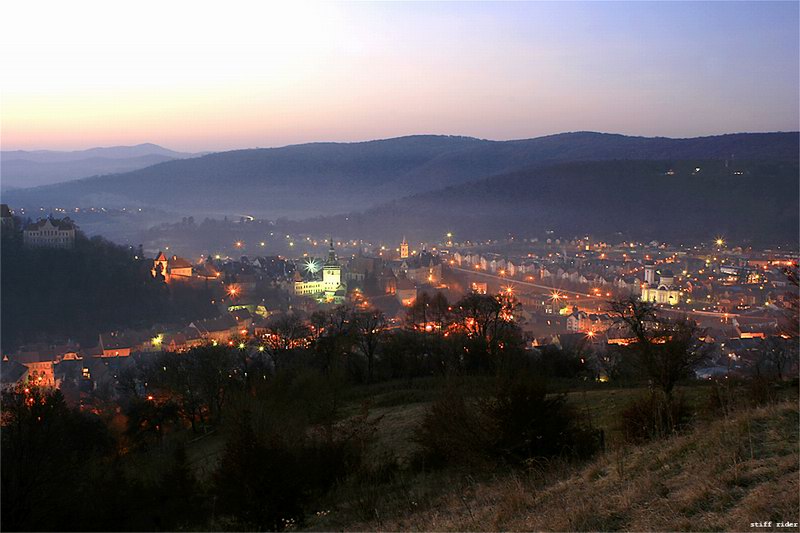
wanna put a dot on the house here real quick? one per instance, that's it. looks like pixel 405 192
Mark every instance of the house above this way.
pixel 576 321
pixel 511 269
pixel 12 374
pixel 406 291
pixel 219 329
pixel 243 319
pixel 387 281
pixel 183 340
pixel 50 233
pixel 6 216
pixel 424 268
pixel 180 267
pixel 480 287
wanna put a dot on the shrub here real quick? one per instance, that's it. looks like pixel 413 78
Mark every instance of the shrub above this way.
pixel 527 423
pixel 266 480
pixel 654 416
pixel 517 422
pixel 453 431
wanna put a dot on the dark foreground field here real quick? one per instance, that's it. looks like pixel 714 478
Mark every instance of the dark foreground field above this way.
pixel 724 472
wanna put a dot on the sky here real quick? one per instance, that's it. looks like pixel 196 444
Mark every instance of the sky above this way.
pixel 199 76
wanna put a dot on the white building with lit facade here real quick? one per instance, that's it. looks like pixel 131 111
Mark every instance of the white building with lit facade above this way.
pixel 664 292
pixel 50 233
pixel 329 288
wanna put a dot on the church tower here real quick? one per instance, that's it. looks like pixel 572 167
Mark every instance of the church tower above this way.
pixel 160 264
pixel 404 249
pixel 331 271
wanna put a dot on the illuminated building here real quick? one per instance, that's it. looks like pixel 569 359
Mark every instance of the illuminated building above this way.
pixel 329 289
pixel 172 268
pixel 403 249
pixel 406 291
pixel 663 293
pixel 423 268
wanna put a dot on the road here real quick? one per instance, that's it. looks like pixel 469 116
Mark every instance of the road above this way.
pixel 589 297
pixel 515 282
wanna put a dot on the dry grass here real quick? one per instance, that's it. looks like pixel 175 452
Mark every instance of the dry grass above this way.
pixel 723 475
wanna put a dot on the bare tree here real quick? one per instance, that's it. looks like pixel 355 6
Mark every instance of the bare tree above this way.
pixel 337 337
pixel 666 350
pixel 284 333
pixel 370 327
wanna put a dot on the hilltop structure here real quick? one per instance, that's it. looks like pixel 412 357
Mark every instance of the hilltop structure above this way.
pixel 50 233
pixel 173 268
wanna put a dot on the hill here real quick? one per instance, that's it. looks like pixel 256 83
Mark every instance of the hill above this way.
pixel 109 288
pixel 326 178
pixel 720 477
pixel 21 168
pixel 636 199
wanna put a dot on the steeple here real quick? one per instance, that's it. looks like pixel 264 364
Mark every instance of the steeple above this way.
pixel 331 254
pixel 404 248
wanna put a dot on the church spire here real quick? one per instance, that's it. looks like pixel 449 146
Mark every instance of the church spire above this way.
pixel 331 253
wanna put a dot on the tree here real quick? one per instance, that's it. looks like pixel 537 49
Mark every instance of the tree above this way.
pixel 488 319
pixel 666 350
pixel 370 327
pixel 778 354
pixel 337 339
pixel 284 332
pixel 50 459
pixel 419 311
pixel 173 375
pixel 212 367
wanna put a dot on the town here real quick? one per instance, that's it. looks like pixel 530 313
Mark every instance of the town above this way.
pixel 561 289
pixel 400 266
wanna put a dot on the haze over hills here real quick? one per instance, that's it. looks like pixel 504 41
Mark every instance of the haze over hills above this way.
pixel 327 178
pixel 23 168
pixel 645 199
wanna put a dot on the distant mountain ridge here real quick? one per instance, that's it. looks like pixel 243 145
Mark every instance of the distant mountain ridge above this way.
pixel 24 168
pixel 680 200
pixel 306 180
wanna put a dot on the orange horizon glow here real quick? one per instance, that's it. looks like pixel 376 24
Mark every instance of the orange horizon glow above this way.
pixel 273 74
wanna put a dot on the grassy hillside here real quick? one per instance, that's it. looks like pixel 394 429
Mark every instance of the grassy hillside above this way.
pixel 723 475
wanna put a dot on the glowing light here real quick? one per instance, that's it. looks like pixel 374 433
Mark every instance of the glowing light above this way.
pixel 720 241
pixel 241 346
pixel 312 266
pixel 157 340
pixel 233 290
